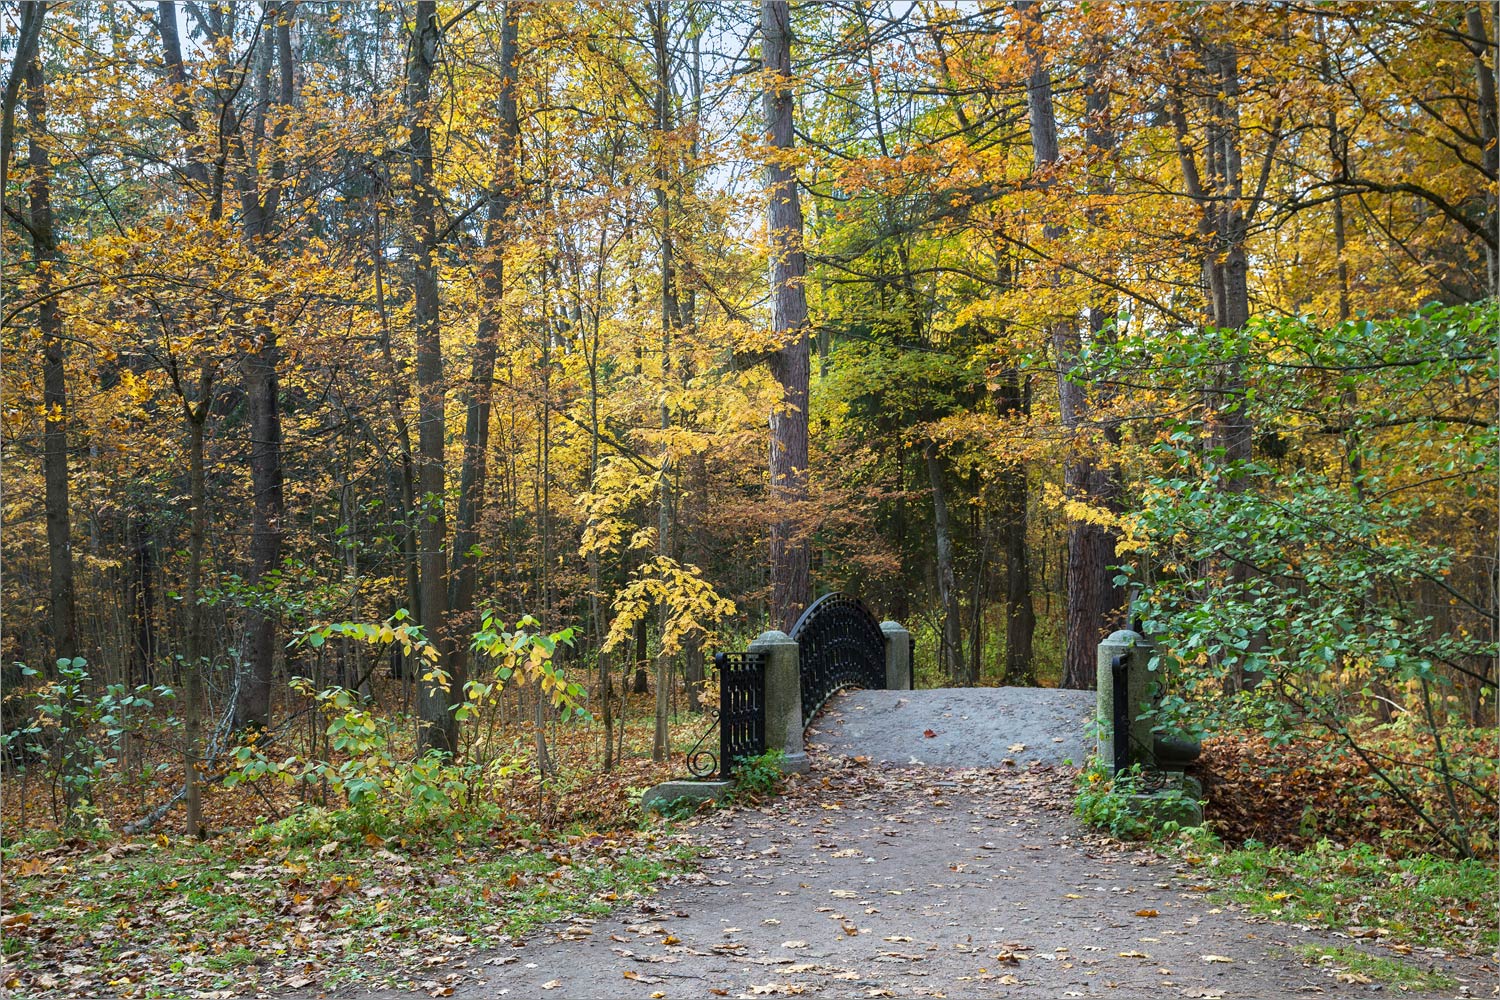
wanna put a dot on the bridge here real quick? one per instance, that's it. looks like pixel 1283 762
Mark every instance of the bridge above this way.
pixel 840 656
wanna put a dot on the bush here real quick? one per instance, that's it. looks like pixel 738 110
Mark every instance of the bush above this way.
pixel 1320 590
pixel 1112 803
pixel 759 777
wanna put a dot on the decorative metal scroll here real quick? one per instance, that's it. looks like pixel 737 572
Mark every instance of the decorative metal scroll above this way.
pixel 740 719
pixel 840 645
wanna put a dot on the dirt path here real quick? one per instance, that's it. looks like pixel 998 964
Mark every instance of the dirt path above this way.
pixel 874 880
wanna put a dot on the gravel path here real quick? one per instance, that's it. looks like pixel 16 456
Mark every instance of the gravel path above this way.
pixel 958 727
pixel 872 879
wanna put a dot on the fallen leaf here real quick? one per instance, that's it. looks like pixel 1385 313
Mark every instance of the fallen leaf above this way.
pixel 1147 913
pixel 1136 954
pixel 1016 747
pixel 928 733
pixel 1217 958
pixel 552 984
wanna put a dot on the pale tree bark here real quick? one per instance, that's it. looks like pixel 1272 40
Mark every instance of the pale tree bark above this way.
pixel 404 479
pixel 951 636
pixel 1090 549
pixel 1486 48
pixel 1226 210
pixel 439 728
pixel 791 582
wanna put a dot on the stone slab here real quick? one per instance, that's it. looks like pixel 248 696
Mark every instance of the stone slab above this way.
pixel 694 791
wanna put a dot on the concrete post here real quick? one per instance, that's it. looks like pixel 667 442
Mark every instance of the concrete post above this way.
pixel 783 698
pixel 899 670
pixel 1139 692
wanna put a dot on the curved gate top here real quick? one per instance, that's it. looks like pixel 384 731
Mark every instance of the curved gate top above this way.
pixel 840 645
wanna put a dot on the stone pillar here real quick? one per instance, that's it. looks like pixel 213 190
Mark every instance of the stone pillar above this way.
pixel 899 670
pixel 1139 692
pixel 783 698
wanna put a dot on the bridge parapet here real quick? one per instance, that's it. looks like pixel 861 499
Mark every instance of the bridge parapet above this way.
pixel 836 644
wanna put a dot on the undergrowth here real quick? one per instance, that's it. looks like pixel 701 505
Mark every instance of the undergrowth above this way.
pixel 1415 900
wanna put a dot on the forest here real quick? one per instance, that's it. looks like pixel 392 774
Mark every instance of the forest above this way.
pixel 403 401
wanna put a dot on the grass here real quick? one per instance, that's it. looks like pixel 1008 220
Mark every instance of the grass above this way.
pixel 262 911
pixel 1352 966
pixel 1416 900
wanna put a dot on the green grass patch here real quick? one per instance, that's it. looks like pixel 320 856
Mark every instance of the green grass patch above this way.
pixel 1352 966
pixel 1420 900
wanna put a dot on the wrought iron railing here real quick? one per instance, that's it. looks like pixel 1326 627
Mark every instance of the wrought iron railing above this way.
pixel 740 719
pixel 840 645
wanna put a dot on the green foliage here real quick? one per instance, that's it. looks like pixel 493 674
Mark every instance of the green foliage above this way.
pixel 384 787
pixel 759 777
pixel 1111 803
pixel 1321 591
pixel 74 732
pixel 383 791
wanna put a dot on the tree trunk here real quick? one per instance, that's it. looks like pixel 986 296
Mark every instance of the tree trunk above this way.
pixel 405 475
pixel 486 346
pixel 28 38
pixel 1011 512
pixel 1489 122
pixel 641 683
pixel 194 659
pixel 951 638
pixel 259 200
pixel 439 728
pixel 142 600
pixel 1090 549
pixel 791 582
pixel 61 601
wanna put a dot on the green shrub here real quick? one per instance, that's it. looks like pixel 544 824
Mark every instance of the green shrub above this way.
pixel 759 777
pixel 1111 803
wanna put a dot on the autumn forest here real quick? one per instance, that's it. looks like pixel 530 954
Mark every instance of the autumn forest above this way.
pixel 404 401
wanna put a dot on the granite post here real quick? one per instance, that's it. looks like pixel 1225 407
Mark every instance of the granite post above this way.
pixel 900 672
pixel 1139 691
pixel 783 698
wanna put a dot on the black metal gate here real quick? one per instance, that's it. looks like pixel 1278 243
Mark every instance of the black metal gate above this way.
pixel 840 645
pixel 740 717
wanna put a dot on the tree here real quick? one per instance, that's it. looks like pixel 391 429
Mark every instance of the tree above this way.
pixel 1091 597
pixel 791 583
pixel 437 688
